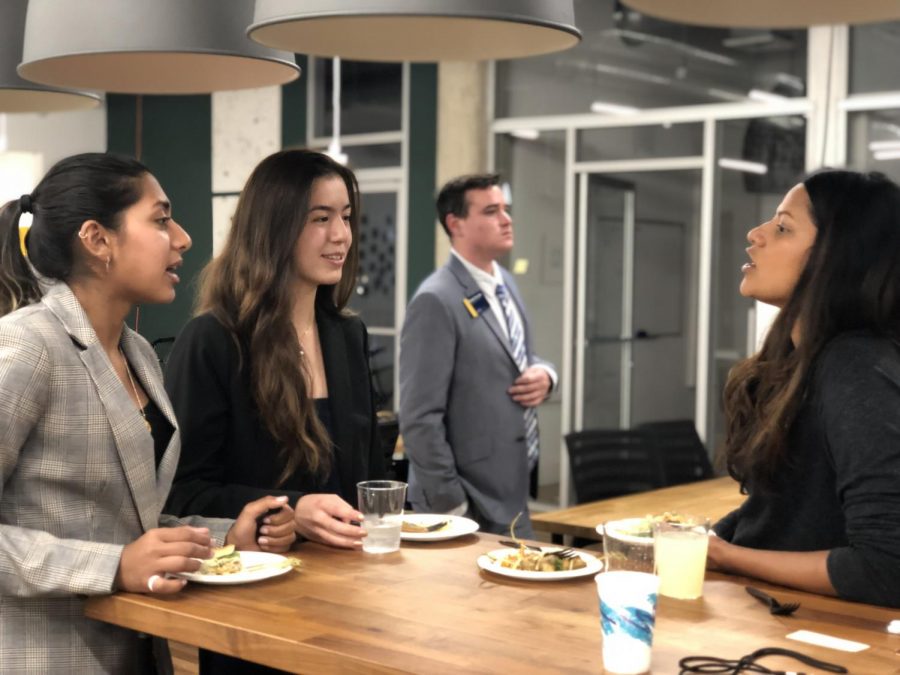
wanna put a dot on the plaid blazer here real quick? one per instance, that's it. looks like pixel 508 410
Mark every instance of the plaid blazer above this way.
pixel 77 482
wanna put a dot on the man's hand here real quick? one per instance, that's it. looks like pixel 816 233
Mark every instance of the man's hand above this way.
pixel 531 387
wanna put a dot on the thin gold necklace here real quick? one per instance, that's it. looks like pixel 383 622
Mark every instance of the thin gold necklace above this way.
pixel 137 397
pixel 303 335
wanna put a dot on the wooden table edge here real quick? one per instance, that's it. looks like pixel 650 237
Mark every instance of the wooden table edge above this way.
pixel 124 609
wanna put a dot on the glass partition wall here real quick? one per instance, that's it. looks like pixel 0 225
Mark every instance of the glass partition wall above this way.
pixel 637 163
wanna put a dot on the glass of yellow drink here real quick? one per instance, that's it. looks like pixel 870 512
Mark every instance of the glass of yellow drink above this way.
pixel 680 556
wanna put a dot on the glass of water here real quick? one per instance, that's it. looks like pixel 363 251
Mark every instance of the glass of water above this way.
pixel 381 503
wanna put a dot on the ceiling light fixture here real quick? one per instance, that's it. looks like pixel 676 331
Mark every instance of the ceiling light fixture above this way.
pixel 743 165
pixel 880 146
pixel 416 30
pixel 768 13
pixel 525 134
pixel 765 96
pixel 142 47
pixel 18 95
pixel 603 107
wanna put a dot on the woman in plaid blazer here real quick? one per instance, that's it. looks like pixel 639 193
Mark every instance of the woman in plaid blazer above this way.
pixel 88 439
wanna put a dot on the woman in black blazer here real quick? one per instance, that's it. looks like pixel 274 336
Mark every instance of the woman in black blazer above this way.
pixel 270 382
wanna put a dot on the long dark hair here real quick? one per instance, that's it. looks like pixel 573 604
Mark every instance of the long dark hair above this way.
pixel 851 281
pixel 91 186
pixel 248 288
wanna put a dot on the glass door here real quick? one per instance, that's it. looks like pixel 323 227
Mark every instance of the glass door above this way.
pixel 635 355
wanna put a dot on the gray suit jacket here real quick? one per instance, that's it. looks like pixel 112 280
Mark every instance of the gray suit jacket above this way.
pixel 464 435
pixel 78 483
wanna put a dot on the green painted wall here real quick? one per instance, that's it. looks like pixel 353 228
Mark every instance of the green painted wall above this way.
pixel 422 162
pixel 175 136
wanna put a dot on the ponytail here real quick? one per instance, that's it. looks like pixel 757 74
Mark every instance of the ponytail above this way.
pixel 18 283
pixel 90 186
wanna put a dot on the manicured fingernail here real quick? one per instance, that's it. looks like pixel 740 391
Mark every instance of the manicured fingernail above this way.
pixel 262 541
pixel 264 530
pixel 282 498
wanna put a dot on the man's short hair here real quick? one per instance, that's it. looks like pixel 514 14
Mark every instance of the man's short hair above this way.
pixel 452 197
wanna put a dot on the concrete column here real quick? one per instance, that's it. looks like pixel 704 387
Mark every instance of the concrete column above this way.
pixel 462 129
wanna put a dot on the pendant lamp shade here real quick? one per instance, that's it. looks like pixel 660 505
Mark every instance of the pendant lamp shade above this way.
pixel 148 46
pixel 768 13
pixel 416 30
pixel 18 95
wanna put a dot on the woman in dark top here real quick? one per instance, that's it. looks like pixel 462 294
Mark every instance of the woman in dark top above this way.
pixel 814 417
pixel 270 382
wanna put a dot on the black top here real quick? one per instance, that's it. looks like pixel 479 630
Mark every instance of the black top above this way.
pixel 160 428
pixel 840 489
pixel 228 458
pixel 332 483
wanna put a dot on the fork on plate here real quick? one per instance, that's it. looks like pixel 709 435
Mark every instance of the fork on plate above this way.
pixel 775 607
pixel 564 553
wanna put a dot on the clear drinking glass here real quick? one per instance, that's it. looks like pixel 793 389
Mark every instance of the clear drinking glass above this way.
pixel 628 545
pixel 680 555
pixel 381 503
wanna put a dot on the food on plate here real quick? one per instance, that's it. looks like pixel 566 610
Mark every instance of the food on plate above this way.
pixel 225 560
pixel 530 559
pixel 417 528
pixel 643 527
pixel 540 561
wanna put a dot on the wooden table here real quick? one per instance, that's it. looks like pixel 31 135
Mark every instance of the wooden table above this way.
pixel 429 609
pixel 713 498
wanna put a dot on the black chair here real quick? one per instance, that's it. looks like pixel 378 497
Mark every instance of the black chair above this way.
pixel 682 453
pixel 613 462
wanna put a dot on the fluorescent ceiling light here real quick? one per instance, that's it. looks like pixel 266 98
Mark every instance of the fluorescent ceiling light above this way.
pixel 870 101
pixel 876 146
pixel 526 134
pixel 884 155
pixel 743 165
pixel 604 107
pixel 765 96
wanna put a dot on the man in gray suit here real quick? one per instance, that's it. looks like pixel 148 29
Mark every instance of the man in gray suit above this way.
pixel 469 379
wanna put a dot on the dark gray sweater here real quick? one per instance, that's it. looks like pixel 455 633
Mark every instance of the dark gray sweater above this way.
pixel 840 488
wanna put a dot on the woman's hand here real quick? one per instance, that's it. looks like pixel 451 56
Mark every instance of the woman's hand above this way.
pixel 716 553
pixel 326 518
pixel 146 562
pixel 276 529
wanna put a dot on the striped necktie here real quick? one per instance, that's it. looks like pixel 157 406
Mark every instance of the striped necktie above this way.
pixel 517 344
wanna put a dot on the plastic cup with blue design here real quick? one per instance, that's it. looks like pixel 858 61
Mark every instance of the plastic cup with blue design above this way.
pixel 627 617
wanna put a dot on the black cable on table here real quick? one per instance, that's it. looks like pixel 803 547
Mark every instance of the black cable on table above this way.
pixel 747 664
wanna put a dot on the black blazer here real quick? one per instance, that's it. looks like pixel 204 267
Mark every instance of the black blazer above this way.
pixel 228 458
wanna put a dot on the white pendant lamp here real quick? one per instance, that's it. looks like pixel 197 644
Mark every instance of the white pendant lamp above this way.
pixel 416 30
pixel 768 13
pixel 18 95
pixel 148 46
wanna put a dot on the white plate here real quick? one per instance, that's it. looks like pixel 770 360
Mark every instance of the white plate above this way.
pixel 247 558
pixel 593 566
pixel 458 527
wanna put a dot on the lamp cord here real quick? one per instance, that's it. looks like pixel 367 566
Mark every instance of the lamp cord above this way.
pixel 714 664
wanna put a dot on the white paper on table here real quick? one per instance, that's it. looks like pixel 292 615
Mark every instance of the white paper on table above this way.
pixel 822 640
